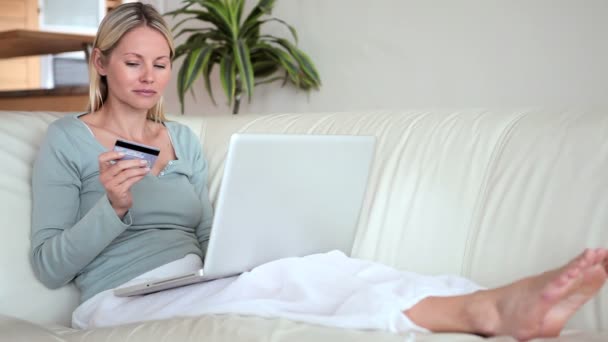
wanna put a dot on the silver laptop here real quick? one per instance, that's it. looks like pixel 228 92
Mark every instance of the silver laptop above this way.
pixel 281 196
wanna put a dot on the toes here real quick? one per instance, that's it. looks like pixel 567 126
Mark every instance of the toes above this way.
pixel 596 256
pixel 592 256
pixel 583 263
pixel 588 258
pixel 589 255
pixel 566 277
pixel 572 273
pixel 555 289
pixel 583 257
pixel 601 255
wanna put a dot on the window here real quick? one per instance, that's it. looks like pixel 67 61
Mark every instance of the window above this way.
pixel 68 16
pixel 71 16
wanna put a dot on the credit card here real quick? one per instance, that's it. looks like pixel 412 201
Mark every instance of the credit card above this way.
pixel 133 150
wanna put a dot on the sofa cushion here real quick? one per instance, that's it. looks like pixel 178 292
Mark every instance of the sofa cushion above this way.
pixel 231 328
pixel 13 329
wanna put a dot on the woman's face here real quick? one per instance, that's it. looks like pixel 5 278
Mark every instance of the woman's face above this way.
pixel 138 69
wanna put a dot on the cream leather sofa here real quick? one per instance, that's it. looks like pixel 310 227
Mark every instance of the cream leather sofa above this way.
pixel 490 195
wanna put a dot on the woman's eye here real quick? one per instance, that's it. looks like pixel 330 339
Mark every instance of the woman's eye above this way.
pixel 160 66
pixel 132 64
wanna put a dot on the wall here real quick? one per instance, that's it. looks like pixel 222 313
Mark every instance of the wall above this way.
pixel 391 54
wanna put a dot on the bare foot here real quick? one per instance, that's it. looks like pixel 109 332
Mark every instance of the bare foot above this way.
pixel 540 306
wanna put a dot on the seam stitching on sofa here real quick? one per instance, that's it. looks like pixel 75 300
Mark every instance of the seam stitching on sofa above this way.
pixel 474 224
pixel 262 118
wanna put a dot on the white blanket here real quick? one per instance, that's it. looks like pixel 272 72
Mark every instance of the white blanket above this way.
pixel 328 289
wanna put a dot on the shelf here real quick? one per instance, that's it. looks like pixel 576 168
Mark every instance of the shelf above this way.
pixel 61 99
pixel 18 43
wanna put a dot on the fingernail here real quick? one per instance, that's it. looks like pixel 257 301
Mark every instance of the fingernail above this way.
pixel 142 162
pixel 147 169
pixel 121 154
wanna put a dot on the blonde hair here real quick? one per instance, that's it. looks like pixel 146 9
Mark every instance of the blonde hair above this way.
pixel 113 27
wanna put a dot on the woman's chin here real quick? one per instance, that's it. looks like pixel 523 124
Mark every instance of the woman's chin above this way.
pixel 144 104
pixel 139 103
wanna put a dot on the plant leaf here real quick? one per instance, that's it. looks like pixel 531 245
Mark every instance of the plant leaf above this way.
pixel 235 10
pixel 192 66
pixel 269 80
pixel 207 69
pixel 191 30
pixel 265 68
pixel 192 93
pixel 228 77
pixel 303 60
pixel 221 15
pixel 196 61
pixel 260 22
pixel 179 10
pixel 180 84
pixel 181 22
pixel 207 16
pixel 266 6
pixel 239 11
pixel 283 58
pixel 193 42
pixel 263 7
pixel 243 61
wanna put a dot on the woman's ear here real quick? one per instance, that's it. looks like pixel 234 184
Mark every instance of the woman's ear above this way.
pixel 99 61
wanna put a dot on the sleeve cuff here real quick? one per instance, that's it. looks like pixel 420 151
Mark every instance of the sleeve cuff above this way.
pixel 112 218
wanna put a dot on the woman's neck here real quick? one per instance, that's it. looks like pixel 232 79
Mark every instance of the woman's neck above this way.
pixel 124 121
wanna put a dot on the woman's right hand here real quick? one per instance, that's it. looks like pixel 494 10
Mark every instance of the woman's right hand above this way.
pixel 118 176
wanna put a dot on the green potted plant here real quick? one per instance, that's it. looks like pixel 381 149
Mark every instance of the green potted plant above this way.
pixel 245 56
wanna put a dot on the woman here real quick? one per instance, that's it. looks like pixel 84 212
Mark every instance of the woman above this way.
pixel 104 222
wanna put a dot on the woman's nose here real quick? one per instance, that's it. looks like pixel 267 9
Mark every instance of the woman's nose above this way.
pixel 147 75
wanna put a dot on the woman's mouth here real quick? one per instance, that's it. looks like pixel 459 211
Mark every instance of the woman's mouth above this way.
pixel 145 92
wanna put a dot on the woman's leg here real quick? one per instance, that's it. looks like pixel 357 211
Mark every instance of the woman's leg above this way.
pixel 537 306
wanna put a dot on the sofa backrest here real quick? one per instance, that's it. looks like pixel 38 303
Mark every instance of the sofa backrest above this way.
pixel 21 294
pixel 490 195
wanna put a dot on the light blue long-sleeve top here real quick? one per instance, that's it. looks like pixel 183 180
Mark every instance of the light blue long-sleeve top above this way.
pixel 76 234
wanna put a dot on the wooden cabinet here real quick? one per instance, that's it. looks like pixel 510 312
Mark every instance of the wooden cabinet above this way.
pixel 23 72
pixel 34 42
pixel 20 77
